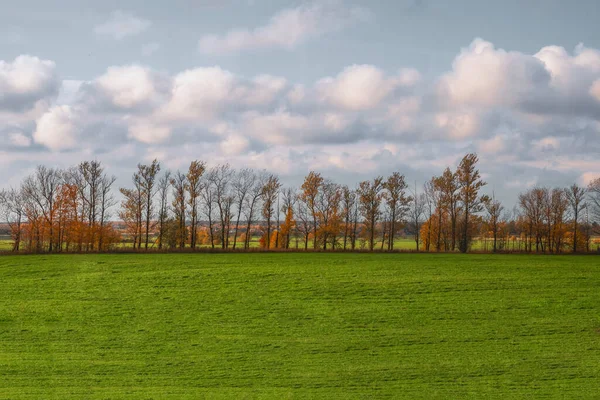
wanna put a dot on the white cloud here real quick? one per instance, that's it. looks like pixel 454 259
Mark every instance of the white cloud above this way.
pixel 149 132
pixel 234 145
pixel 25 81
pixel 459 125
pixel 19 140
pixel 129 87
pixel 286 29
pixel 122 24
pixel 56 129
pixel 358 87
pixel 485 76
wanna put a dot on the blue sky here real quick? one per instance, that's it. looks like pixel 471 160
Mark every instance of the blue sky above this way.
pixel 351 88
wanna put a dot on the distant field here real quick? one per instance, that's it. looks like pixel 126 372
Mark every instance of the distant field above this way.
pixel 188 326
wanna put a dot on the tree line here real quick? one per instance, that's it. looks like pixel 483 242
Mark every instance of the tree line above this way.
pixel 75 210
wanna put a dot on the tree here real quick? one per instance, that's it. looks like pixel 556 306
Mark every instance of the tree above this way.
pixel 147 174
pixel 327 212
pixel 242 185
pixel 594 198
pixel 310 190
pixel 417 210
pixel 208 201
pixel 269 194
pixel 494 211
pixel 348 206
pixel 194 186
pixel 370 197
pixel 470 184
pixel 252 202
pixel 164 184
pixel 289 225
pixel 179 183
pixel 431 201
pixel 576 197
pixel 12 211
pixel 106 202
pixel 42 188
pixel 221 179
pixel 397 201
pixel 449 192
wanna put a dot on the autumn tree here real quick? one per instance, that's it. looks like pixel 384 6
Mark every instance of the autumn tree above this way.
pixel 398 203
pixel 310 190
pixel 470 183
pixel 327 211
pixel 148 175
pixel 194 187
pixel 287 228
pixel 269 195
pixel 370 197
pixel 449 192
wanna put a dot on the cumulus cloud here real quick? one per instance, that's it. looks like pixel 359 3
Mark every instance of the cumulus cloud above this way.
pixel 122 24
pixel 286 29
pixel 515 109
pixel 552 81
pixel 148 132
pixel 130 87
pixel 18 139
pixel 56 129
pixel 234 145
pixel 358 87
pixel 25 81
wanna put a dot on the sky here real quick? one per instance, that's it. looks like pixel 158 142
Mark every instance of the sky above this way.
pixel 352 89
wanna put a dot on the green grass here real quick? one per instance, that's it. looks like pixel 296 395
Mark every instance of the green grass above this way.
pixel 331 326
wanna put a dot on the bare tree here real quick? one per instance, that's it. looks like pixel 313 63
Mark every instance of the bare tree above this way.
pixel 242 184
pixel 494 213
pixel 164 184
pixel 417 210
pixel 12 211
pixel 147 174
pixel 576 196
pixel 269 194
pixel 310 190
pixel 398 203
pixel 42 188
pixel 252 202
pixel 370 197
pixel 106 202
pixel 221 181
pixel 179 183
pixel 194 187
pixel 348 205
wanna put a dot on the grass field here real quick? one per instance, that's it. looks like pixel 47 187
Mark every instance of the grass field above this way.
pixel 188 326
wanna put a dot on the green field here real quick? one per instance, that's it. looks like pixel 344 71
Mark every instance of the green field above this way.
pixel 299 325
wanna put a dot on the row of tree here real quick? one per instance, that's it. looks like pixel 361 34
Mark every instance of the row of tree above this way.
pixel 219 207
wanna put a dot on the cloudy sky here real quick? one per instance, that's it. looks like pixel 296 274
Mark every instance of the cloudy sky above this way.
pixel 353 89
